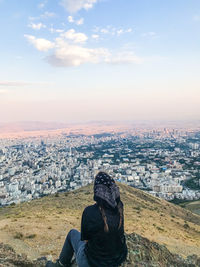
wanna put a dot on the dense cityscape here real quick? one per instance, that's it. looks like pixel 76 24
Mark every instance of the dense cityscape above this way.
pixel 164 162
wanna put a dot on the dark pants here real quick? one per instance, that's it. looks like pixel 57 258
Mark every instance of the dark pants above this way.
pixel 73 244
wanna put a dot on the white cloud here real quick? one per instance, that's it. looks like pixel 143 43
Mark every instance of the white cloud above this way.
pixel 47 14
pixel 95 36
pixel 37 26
pixel 69 51
pixel 70 19
pixel 104 31
pixel 77 22
pixel 119 32
pixel 76 37
pixel 42 4
pixel 59 30
pixel 149 34
pixel 74 55
pixel 124 57
pixel 196 18
pixel 66 55
pixel 40 44
pixel 75 5
pixel 33 18
pixel 52 30
pixel 112 30
pixel 129 30
pixel 80 21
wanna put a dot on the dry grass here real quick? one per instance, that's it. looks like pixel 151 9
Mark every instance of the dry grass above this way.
pixel 45 222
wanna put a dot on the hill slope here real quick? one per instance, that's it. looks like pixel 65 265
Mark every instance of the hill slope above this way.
pixel 141 253
pixel 193 206
pixel 38 228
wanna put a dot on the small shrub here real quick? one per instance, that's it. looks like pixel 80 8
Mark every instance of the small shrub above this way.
pixel 31 236
pixel 186 226
pixel 57 194
pixel 18 235
pixel 160 229
pixel 136 208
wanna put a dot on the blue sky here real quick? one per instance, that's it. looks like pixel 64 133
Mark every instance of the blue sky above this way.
pixel 80 60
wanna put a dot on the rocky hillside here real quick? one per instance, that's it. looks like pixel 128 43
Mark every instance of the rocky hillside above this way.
pixel 38 228
pixel 9 258
pixel 142 253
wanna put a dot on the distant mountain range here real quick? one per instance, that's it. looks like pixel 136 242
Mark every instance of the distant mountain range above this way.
pixel 27 126
pixel 30 126
pixel 40 129
pixel 37 128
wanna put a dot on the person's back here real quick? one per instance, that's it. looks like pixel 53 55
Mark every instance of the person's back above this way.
pixel 103 248
pixel 103 225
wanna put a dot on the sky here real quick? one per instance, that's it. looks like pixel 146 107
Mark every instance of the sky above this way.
pixel 85 60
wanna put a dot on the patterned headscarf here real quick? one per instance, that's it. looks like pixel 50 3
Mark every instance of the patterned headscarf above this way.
pixel 105 189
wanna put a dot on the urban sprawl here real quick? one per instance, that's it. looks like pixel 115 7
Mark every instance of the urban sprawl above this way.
pixel 165 163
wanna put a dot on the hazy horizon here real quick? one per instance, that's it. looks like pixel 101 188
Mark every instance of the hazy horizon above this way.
pixel 164 123
pixel 85 60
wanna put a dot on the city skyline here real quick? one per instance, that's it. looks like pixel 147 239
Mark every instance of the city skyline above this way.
pixel 73 61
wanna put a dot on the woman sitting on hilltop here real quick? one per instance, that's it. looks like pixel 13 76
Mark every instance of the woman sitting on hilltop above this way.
pixel 101 241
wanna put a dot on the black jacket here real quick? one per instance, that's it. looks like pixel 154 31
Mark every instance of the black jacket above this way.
pixel 103 249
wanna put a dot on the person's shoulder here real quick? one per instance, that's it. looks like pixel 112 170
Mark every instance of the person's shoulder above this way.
pixel 91 211
pixel 91 208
